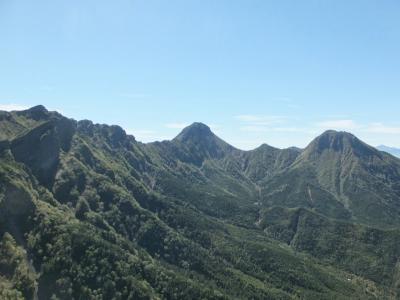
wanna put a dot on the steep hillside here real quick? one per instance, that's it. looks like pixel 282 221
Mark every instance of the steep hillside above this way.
pixel 87 212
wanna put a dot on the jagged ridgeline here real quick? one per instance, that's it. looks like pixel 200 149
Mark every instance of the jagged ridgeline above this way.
pixel 88 212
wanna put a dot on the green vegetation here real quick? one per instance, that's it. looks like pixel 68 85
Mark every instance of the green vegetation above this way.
pixel 87 212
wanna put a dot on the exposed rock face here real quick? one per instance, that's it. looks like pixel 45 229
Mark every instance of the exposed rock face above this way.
pixel 86 127
pixel 37 113
pixel 115 134
pixel 40 148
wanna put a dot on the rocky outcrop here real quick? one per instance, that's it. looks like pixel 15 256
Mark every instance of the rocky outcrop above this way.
pixel 40 148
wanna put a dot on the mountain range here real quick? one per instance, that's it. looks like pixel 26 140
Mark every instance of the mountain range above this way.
pixel 88 212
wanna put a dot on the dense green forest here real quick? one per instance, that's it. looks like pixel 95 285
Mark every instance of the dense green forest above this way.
pixel 88 212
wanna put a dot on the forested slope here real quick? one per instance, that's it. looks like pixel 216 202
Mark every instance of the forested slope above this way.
pixel 88 212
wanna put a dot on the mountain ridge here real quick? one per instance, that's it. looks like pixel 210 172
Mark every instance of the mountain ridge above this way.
pixel 192 217
pixel 391 150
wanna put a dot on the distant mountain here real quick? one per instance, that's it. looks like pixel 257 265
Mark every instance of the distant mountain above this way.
pixel 87 212
pixel 200 141
pixel 391 150
pixel 341 177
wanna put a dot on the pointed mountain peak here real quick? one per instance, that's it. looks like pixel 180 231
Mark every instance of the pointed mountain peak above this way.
pixel 38 112
pixel 195 132
pixel 38 108
pixel 339 141
pixel 199 126
pixel 265 147
pixel 202 142
pixel 336 140
pixel 334 133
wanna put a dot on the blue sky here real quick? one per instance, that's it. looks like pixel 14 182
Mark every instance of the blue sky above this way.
pixel 256 71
